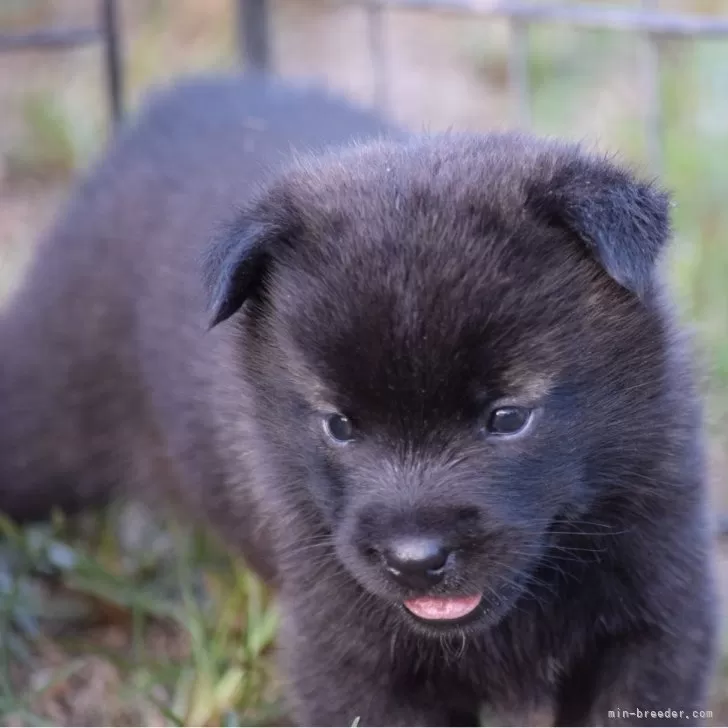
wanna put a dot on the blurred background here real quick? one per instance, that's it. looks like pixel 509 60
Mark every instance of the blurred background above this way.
pixel 124 620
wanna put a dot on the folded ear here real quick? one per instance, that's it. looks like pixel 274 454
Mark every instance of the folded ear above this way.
pixel 624 222
pixel 238 260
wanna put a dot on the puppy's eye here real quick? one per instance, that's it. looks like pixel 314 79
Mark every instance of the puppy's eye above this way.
pixel 338 428
pixel 508 420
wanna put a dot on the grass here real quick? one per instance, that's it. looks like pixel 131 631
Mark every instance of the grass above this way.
pixel 183 630
pixel 121 618
pixel 49 147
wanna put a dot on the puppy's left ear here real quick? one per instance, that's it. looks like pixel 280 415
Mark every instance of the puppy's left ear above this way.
pixel 239 260
pixel 624 222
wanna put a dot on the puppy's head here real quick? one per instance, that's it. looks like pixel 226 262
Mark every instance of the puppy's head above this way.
pixel 456 350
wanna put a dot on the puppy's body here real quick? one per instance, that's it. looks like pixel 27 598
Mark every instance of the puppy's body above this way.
pixel 386 303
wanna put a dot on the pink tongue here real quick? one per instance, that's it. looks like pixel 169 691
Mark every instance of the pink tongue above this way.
pixel 442 608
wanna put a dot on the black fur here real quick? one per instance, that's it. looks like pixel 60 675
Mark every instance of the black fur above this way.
pixel 412 285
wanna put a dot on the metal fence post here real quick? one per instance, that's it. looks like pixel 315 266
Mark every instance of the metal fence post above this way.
pixel 653 110
pixel 518 80
pixel 253 22
pixel 375 17
pixel 113 61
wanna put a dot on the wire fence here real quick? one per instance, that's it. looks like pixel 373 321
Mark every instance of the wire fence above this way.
pixel 645 20
pixel 104 31
pixel 255 42
pixel 255 46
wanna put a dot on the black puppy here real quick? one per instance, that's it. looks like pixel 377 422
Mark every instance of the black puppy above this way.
pixel 442 406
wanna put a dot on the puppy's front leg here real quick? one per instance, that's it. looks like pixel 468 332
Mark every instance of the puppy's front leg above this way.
pixel 655 679
pixel 335 680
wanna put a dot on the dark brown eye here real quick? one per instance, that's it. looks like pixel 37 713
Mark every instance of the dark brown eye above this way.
pixel 508 420
pixel 339 428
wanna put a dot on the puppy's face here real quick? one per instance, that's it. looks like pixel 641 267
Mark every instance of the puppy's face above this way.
pixel 444 364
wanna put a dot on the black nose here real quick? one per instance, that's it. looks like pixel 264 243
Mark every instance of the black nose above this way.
pixel 416 562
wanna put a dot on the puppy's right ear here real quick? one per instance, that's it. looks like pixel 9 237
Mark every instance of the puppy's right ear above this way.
pixel 622 221
pixel 238 261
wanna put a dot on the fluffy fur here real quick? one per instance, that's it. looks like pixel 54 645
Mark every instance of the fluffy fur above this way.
pixel 412 284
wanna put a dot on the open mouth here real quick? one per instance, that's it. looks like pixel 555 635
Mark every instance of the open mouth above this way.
pixel 443 609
